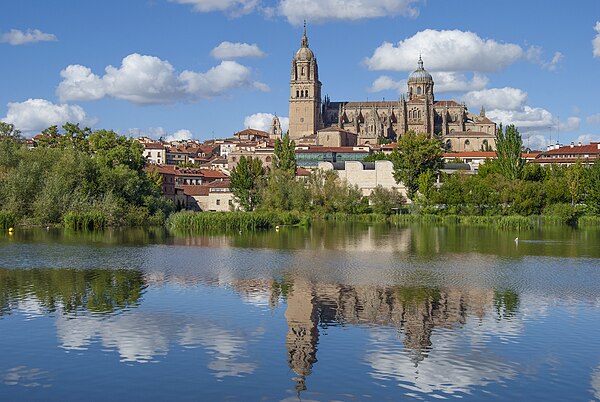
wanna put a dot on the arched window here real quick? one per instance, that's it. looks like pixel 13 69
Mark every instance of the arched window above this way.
pixel 419 114
pixel 418 90
pixel 448 145
pixel 467 143
pixel 297 94
pixel 303 70
pixel 306 93
pixel 268 159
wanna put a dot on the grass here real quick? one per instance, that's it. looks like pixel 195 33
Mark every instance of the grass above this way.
pixel 233 221
pixel 7 220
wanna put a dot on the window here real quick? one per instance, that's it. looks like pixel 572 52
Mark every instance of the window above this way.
pixel 230 202
pixel 467 143
pixel 418 90
pixel 306 93
pixel 297 94
pixel 218 202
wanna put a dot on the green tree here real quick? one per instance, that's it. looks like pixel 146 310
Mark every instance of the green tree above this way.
pixel 284 155
pixel 385 201
pixel 8 132
pixel 576 182
pixel 415 155
pixel 592 198
pixel 509 152
pixel 247 180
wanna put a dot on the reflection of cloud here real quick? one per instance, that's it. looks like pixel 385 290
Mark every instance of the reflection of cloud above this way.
pixel 141 337
pixel 25 376
pixel 596 382
pixel 225 346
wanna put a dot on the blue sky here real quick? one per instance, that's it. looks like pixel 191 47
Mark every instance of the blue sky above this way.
pixel 209 68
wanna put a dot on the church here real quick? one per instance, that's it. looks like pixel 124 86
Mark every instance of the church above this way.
pixel 314 121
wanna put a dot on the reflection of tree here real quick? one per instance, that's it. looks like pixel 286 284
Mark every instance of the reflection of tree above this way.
pixel 96 290
pixel 506 302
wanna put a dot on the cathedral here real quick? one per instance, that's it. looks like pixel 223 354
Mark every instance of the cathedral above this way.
pixel 327 123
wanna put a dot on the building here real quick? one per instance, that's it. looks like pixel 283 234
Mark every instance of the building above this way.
pixel 154 152
pixel 310 156
pixel 366 175
pixel 373 122
pixel 570 154
pixel 211 197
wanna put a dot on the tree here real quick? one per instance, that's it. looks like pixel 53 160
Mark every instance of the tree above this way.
pixel 509 152
pixel 385 201
pixel 247 180
pixel 416 154
pixel 592 198
pixel 8 132
pixel 284 155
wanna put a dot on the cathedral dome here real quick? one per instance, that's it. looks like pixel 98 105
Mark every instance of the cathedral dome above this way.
pixel 304 54
pixel 420 74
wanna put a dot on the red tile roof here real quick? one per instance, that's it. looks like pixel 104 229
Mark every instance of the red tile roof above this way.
pixel 587 149
pixel 330 149
pixel 153 145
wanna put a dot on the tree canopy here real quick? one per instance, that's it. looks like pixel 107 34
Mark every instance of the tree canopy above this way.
pixel 415 155
pixel 509 146
pixel 247 180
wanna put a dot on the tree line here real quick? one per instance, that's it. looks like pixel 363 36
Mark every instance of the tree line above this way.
pixel 78 177
pixel 503 186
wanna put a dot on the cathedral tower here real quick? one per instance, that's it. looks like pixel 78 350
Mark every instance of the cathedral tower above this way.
pixel 305 93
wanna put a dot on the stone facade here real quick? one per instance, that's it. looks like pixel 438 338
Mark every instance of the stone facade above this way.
pixel 373 122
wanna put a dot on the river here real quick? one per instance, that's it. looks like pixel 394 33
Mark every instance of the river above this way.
pixel 332 312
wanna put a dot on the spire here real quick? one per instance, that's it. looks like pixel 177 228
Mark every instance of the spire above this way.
pixel 304 37
pixel 482 112
pixel 420 62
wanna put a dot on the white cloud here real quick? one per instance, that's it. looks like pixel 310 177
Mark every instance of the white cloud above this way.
pixel 317 11
pixel 456 82
pixel 262 121
pixel 233 8
pixel 524 118
pixel 229 51
pixel 79 83
pixel 17 37
pixel 587 138
pixel 596 40
pixel 180 135
pixel 145 79
pixel 445 51
pixel 534 55
pixel 160 132
pixel 384 83
pixel 506 98
pixel 38 114
pixel 571 124
pixel 593 119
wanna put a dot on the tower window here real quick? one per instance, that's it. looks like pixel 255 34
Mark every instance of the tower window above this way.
pixel 306 93
pixel 418 90
pixel 297 94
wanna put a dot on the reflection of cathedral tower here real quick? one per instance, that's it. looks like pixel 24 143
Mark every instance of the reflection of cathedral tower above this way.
pixel 305 93
pixel 303 334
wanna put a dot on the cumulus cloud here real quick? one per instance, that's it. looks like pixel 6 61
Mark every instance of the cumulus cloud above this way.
pixel 571 124
pixel 328 10
pixel 444 82
pixel 145 79
pixel 445 51
pixel 233 8
pixel 596 40
pixel 160 132
pixel 456 82
pixel 526 117
pixel 17 37
pixel 228 51
pixel 262 121
pixel 587 138
pixel 506 98
pixel 535 55
pixel 384 83
pixel 593 119
pixel 37 114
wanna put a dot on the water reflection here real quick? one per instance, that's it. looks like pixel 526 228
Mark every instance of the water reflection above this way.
pixel 434 312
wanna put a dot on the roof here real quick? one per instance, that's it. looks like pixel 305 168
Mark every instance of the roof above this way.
pixel 469 134
pixel 482 154
pixel 153 145
pixel 336 129
pixel 251 131
pixel 206 173
pixel 202 189
pixel 331 149
pixel 302 172
pixel 446 103
pixel 588 149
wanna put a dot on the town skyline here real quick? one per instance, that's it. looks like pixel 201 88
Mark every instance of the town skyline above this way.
pixel 191 68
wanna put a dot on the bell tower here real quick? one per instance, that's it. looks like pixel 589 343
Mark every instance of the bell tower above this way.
pixel 305 92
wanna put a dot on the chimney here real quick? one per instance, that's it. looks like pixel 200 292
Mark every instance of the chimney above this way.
pixel 572 144
pixel 579 144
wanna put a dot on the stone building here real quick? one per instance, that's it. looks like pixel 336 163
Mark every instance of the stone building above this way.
pixel 373 122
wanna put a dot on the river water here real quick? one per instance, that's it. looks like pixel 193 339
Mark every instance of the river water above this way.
pixel 337 312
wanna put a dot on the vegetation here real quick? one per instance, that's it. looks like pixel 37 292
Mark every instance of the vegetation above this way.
pixel 247 179
pixel 416 159
pixel 82 179
pixel 232 221
pixel 509 152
